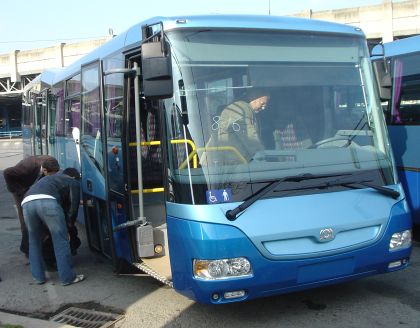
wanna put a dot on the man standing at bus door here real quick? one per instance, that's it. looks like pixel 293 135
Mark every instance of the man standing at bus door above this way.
pixel 43 205
pixel 18 180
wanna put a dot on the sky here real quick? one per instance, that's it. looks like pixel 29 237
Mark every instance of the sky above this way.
pixel 33 24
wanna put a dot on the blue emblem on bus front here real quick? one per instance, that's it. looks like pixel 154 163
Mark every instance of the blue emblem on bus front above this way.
pixel 218 196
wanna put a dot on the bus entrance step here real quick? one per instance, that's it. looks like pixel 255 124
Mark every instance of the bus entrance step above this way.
pixel 143 267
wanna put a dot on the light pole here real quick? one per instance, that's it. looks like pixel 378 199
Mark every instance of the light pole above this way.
pixel 269 7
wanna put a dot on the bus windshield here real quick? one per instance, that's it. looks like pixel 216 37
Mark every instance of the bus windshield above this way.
pixel 253 106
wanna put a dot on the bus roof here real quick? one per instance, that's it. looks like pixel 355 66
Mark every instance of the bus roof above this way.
pixel 132 36
pixel 254 22
pixel 398 47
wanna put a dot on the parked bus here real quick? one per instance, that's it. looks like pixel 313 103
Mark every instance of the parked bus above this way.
pixel 185 180
pixel 402 112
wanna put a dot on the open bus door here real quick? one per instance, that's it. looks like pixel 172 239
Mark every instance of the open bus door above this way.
pixel 136 200
pixel 145 179
pixel 92 141
pixel 122 172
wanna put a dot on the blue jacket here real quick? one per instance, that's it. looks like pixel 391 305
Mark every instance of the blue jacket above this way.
pixel 63 188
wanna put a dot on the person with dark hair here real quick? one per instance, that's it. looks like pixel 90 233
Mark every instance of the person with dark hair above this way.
pixel 43 204
pixel 18 180
pixel 51 165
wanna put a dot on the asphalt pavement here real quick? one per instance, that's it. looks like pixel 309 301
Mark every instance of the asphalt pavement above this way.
pixel 24 303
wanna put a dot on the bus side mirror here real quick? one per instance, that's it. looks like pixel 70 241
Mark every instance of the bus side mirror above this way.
pixel 383 78
pixel 156 70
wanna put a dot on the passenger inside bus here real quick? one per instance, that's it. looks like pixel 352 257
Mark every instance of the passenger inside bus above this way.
pixel 236 129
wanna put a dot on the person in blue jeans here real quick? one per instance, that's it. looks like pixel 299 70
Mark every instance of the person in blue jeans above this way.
pixel 42 204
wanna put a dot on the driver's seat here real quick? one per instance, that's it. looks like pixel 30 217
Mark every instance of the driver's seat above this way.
pixel 293 136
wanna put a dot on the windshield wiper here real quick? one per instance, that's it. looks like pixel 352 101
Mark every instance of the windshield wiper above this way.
pixel 231 214
pixel 383 190
pixel 353 184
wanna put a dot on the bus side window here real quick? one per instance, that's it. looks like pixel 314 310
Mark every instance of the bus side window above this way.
pixel 405 103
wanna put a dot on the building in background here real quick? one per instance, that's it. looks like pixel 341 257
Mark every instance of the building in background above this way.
pixel 384 22
pixel 18 68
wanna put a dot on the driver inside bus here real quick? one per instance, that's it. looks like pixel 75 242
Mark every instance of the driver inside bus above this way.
pixel 238 126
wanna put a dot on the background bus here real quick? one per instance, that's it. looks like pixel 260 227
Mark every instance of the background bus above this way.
pixel 193 177
pixel 402 113
pixel 10 124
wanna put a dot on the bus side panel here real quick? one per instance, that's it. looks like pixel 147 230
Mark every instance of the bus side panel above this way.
pixel 405 140
pixel 189 240
pixel 410 183
pixel 120 238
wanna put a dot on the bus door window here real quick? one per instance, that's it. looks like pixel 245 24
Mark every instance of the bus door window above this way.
pixel 72 130
pixel 72 121
pixel 92 160
pixel 92 138
pixel 57 120
pixel 51 127
pixel 114 109
pixel 37 104
pixel 44 116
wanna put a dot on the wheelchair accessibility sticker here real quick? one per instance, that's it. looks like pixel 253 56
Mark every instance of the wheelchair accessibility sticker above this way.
pixel 218 196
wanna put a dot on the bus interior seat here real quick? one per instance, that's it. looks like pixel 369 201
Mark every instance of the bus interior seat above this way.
pixel 293 135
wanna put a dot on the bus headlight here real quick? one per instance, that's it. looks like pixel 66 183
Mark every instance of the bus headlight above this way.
pixel 222 268
pixel 400 240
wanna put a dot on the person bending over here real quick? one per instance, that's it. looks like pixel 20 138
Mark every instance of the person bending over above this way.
pixel 43 205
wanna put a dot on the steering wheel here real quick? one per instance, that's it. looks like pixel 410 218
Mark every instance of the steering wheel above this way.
pixel 348 142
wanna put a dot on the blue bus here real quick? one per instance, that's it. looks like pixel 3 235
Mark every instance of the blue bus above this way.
pixel 230 157
pixel 402 112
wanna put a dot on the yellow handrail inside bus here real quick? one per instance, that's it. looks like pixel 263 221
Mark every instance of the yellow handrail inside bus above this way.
pixel 148 191
pixel 173 141
pixel 157 143
pixel 226 148
pixel 214 148
pixel 193 155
